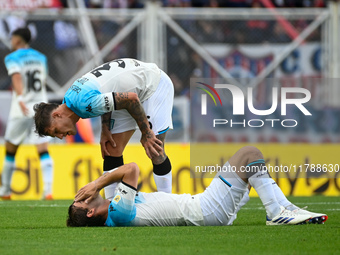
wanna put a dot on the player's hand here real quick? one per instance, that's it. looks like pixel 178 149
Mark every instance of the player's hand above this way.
pixel 151 144
pixel 23 107
pixel 87 193
pixel 106 137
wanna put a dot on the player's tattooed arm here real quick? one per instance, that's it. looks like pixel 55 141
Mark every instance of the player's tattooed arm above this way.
pixel 106 118
pixel 127 173
pixel 106 136
pixel 130 102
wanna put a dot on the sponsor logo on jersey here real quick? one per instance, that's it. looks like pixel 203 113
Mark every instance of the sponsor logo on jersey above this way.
pixel 111 208
pixel 32 62
pixel 75 88
pixel 136 63
pixel 122 191
pixel 82 80
pixel 107 103
pixel 89 108
pixel 112 123
pixel 116 199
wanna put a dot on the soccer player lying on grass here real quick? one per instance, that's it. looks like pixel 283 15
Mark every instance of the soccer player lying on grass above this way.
pixel 217 205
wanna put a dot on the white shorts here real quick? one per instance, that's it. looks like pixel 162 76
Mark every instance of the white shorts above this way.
pixel 220 200
pixel 158 109
pixel 21 130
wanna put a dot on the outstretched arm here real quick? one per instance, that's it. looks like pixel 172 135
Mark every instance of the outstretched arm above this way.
pixel 130 102
pixel 128 174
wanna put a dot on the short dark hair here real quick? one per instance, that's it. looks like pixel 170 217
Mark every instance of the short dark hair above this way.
pixel 42 117
pixel 24 33
pixel 77 217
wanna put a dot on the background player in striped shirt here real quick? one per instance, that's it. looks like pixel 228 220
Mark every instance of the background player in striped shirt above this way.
pixel 28 70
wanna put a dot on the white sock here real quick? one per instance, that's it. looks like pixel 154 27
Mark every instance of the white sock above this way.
pixel 281 198
pixel 46 164
pixel 109 190
pixel 262 183
pixel 7 172
pixel 163 182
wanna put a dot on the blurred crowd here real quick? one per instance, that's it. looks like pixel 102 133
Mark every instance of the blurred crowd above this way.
pixel 203 3
pixel 62 41
pixel 192 3
pixel 242 3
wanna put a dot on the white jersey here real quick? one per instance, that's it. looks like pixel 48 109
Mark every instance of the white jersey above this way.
pixel 153 209
pixel 126 75
pixel 32 66
pixel 91 95
pixel 164 209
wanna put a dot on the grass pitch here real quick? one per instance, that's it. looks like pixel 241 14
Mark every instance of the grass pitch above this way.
pixel 38 227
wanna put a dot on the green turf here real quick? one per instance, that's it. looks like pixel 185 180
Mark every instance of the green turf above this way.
pixel 38 227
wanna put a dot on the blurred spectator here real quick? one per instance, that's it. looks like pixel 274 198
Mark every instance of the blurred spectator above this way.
pixel 200 3
pixel 178 84
pixel 235 3
pixel 9 24
pixel 95 4
pixel 213 3
pixel 134 4
pixel 319 3
pixel 279 3
pixel 279 35
pixel 32 4
pixel 114 3
pixel 209 31
pixel 257 29
pixel 66 35
pixel 305 3
pixel 177 3
pixel 241 3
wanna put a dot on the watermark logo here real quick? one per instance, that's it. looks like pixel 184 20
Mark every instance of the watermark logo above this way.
pixel 204 97
pixel 284 96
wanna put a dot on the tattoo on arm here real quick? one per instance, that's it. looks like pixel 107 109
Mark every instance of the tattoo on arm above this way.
pixel 135 108
pixel 106 120
pixel 102 177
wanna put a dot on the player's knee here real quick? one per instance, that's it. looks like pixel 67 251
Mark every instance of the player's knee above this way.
pixel 251 149
pixel 115 151
pixel 251 153
pixel 42 148
pixel 11 151
pixel 134 168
